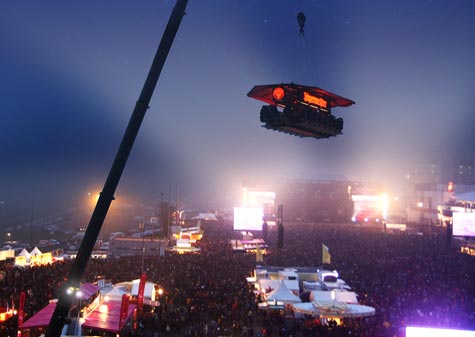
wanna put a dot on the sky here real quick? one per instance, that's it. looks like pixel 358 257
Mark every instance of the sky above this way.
pixel 70 74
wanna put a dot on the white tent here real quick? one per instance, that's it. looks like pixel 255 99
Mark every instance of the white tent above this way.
pixel 149 290
pixel 266 284
pixel 35 251
pixel 282 294
pixel 24 253
pixel 114 293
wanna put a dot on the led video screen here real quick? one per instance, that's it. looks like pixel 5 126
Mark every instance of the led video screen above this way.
pixel 247 218
pixel 437 332
pixel 463 224
pixel 367 206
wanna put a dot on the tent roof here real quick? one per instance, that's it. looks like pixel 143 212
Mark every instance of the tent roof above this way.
pixel 36 251
pixel 41 318
pixel 87 290
pixel 148 290
pixel 292 285
pixel 115 293
pixel 24 252
pixel 106 317
pixel 283 294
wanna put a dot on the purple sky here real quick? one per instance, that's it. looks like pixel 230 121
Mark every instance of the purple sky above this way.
pixel 71 73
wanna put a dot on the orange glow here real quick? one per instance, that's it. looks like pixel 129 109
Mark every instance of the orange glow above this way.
pixel 192 237
pixel 450 187
pixel 314 100
pixel 278 93
pixel 6 315
pixel 92 199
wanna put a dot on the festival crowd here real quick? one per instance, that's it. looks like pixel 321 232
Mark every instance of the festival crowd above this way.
pixel 415 280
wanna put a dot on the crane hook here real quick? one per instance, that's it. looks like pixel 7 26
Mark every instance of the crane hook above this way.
pixel 301 20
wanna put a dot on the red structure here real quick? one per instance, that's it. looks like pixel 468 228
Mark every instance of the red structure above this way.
pixel 304 111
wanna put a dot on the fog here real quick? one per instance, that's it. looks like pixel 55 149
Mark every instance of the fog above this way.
pixel 71 74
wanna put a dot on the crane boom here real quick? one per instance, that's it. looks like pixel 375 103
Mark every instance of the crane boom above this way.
pixel 65 299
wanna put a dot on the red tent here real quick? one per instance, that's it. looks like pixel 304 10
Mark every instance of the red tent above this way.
pixel 87 290
pixel 43 317
pixel 106 317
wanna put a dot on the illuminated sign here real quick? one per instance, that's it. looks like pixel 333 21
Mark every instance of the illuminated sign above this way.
pixel 463 224
pixel 278 93
pixel 437 332
pixel 314 100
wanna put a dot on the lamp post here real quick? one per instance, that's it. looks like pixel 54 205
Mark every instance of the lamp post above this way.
pixel 78 318
pixel 420 205
pixel 142 226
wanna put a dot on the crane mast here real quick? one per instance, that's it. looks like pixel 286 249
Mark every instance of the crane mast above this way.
pixel 65 299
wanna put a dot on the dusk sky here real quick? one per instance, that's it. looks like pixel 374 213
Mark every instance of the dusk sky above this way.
pixel 70 74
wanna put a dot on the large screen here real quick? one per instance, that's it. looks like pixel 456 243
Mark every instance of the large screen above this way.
pixel 248 218
pixel 437 332
pixel 463 224
pixel 368 208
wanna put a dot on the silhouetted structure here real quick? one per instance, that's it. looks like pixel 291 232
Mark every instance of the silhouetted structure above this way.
pixel 301 20
pixel 280 227
pixel 65 300
pixel 264 230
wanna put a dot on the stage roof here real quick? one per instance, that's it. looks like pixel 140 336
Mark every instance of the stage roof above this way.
pixel 41 318
pixel 106 317
pixel 264 93
pixel 87 290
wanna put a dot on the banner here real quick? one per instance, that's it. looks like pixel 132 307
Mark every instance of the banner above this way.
pixel 326 258
pixel 21 308
pixel 124 308
pixel 141 291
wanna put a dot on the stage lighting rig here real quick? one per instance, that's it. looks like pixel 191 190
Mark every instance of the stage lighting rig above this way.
pixel 300 110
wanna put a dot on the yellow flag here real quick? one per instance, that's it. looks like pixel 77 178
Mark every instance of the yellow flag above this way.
pixel 326 258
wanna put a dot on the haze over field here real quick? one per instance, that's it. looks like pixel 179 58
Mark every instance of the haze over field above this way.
pixel 71 74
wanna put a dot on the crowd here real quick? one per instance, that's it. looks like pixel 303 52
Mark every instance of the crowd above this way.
pixel 409 280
